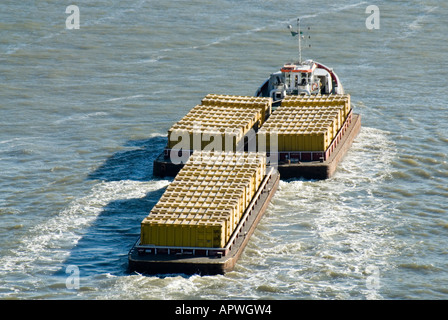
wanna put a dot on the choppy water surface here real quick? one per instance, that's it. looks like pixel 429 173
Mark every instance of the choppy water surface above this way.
pixel 85 112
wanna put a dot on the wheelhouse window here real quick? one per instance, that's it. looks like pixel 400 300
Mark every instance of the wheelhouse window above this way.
pixel 288 79
pixel 305 79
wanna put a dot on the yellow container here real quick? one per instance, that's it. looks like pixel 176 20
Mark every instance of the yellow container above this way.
pixel 187 236
pixel 292 144
pixel 185 233
pixel 156 231
pixel 307 141
pixel 234 192
pixel 209 233
pixel 147 234
pixel 222 214
pixel 264 105
pixel 293 141
pixel 281 142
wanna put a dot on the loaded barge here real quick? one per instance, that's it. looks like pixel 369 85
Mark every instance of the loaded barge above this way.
pixel 206 216
pixel 227 156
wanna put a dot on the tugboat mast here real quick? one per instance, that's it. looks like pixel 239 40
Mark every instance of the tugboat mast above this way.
pixel 300 44
pixel 298 33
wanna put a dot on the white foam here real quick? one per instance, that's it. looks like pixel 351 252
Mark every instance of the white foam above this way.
pixel 50 242
pixel 126 98
pixel 333 228
pixel 81 117
pixel 416 24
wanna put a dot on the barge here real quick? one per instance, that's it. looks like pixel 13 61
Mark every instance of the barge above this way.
pixel 227 156
pixel 203 227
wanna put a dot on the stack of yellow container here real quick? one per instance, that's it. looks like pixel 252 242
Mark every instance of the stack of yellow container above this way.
pixel 228 118
pixel 262 103
pixel 306 123
pixel 206 200
pixel 203 122
pixel 325 101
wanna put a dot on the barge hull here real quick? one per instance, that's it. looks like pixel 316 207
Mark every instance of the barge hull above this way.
pixel 150 263
pixel 164 167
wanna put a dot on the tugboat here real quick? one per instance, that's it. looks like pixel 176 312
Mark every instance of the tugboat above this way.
pixel 300 78
pixel 303 77
pixel 302 84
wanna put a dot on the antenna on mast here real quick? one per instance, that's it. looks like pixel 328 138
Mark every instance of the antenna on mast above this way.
pixel 309 37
